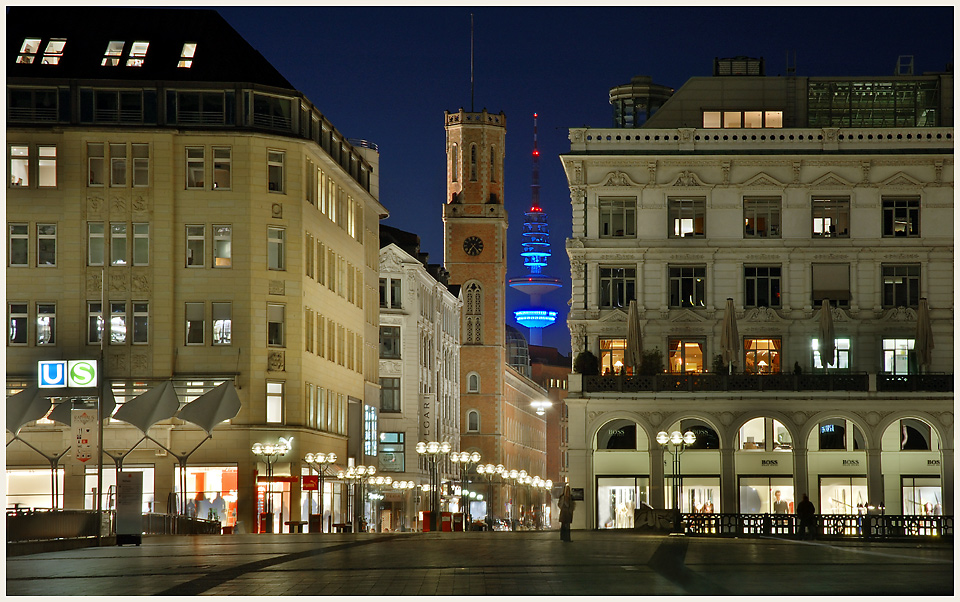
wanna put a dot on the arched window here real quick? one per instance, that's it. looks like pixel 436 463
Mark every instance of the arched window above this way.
pixel 473 421
pixel 473 383
pixel 617 434
pixel 493 169
pixel 473 162
pixel 453 163
pixel 707 438
pixel 473 314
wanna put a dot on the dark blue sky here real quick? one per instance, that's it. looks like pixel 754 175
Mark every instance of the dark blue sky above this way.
pixel 386 74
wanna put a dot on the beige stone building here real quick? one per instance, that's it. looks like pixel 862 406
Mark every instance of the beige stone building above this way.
pixel 235 232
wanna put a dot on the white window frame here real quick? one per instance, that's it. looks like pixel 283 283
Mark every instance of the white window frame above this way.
pixel 118 243
pixel 222 167
pixel 683 214
pixel 94 322
pixel 194 313
pixel 766 209
pixel 473 382
pixel 222 245
pixel 19 165
pixel 830 217
pixel 118 322
pixel 195 163
pixel 47 165
pixel 274 406
pixel 141 243
pixel 894 350
pixel 96 161
pixel 93 236
pixel 842 356
pixel 275 248
pixel 222 323
pixel 118 165
pixel 679 275
pixel 46 312
pixel 140 333
pixel 614 210
pixel 19 236
pixel 46 235
pixel 141 165
pixel 275 171
pixel 19 313
pixel 195 254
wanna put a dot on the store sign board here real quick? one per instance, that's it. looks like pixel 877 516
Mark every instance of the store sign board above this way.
pixel 84 423
pixel 311 482
pixel 67 373
pixel 427 417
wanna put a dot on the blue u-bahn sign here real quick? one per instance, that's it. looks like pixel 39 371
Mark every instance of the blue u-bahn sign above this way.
pixel 67 373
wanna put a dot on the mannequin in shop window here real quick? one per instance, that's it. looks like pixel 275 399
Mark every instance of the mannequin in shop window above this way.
pixel 780 506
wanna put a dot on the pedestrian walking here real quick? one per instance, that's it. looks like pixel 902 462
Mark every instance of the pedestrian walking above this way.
pixel 806 514
pixel 566 504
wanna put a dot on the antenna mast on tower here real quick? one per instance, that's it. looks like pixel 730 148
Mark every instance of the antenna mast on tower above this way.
pixel 471 62
pixel 535 185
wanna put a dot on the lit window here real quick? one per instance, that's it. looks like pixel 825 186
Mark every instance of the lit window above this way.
pixel 111 58
pixel 773 119
pixel 141 164
pixel 898 356
pixel 274 402
pixel 195 167
pixel 831 217
pixel 46 323
pixel 711 119
pixel 118 322
pixel 761 356
pixel 137 53
pixel 222 323
pixel 95 162
pixel 118 244
pixel 275 171
pixel 686 217
pixel 275 321
pixel 761 217
pixel 732 119
pixel 222 246
pixel 275 248
pixel 196 240
pixel 47 166
pixel 19 166
pixel 186 55
pixel 611 356
pixel 94 322
pixel 221 168
pixel 28 51
pixel 753 119
pixel 53 52
pixel 841 356
pixel 17 335
pixel 686 356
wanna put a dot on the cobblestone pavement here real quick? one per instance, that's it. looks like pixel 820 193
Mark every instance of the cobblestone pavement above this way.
pixel 483 563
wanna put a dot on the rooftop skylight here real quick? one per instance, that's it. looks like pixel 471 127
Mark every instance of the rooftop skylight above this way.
pixel 186 55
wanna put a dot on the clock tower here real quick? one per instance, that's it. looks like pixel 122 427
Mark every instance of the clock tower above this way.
pixel 475 247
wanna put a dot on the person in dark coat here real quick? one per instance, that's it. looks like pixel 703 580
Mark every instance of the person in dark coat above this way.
pixel 806 514
pixel 566 505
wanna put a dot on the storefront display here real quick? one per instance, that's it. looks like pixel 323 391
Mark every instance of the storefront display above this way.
pixel 697 494
pixel 618 498
pixel 211 493
pixel 842 495
pixel 922 496
pixel 767 495
pixel 109 478
pixel 32 488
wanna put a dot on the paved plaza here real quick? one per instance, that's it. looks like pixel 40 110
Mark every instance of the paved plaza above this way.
pixel 486 563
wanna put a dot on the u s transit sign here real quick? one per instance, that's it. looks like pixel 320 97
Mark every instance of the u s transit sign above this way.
pixel 67 373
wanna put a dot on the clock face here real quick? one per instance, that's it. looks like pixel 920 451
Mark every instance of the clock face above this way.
pixel 472 246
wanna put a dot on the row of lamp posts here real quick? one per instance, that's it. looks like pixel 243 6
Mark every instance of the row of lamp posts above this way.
pixel 519 477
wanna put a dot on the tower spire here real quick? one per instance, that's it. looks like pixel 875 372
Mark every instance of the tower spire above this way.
pixel 535 185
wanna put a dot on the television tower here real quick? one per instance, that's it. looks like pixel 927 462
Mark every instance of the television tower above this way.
pixel 536 250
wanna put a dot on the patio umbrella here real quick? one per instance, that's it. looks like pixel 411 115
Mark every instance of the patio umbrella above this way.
pixel 26 406
pixel 826 336
pixel 632 353
pixel 61 413
pixel 729 336
pixel 213 407
pixel 924 343
pixel 143 411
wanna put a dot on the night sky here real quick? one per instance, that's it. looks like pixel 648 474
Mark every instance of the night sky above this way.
pixel 387 74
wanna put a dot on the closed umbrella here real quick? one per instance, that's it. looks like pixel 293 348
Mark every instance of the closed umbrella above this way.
pixel 826 336
pixel 729 336
pixel 26 406
pixel 147 409
pixel 213 407
pixel 632 353
pixel 924 343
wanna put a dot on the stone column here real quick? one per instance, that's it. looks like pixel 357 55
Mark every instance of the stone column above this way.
pixel 800 476
pixel 728 480
pixel 874 477
pixel 946 488
pixel 658 495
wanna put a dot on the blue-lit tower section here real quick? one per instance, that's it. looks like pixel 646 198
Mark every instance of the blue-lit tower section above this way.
pixel 536 251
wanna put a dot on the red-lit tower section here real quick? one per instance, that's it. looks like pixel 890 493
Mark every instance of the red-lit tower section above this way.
pixel 536 251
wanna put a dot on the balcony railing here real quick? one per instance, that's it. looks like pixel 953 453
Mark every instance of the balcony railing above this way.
pixel 833 381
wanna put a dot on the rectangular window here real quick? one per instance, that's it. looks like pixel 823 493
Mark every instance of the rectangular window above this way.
pixel 901 285
pixel 19 244
pixel 686 356
pixel 141 165
pixel 118 165
pixel 687 286
pixel 47 166
pixel 753 119
pixel 46 323
pixel 390 342
pixel 275 402
pixel 618 286
pixel 118 244
pixel 222 246
pixel 222 323
pixel 831 281
pixel 901 217
pixel 222 167
pixel 711 119
pixel 118 322
pixel 391 452
pixel 275 171
pixel 275 325
pixel 370 430
pixel 732 119
pixel 141 244
pixel 95 163
pixel 95 243
pixel 194 323
pixel 831 217
pixel 94 322
pixel 19 166
pixel 321 263
pixel 196 243
pixel 275 248
pixel 46 244
pixel 762 356
pixel 761 217
pixel 141 317
pixel 195 167
pixel 841 358
pixel 611 356
pixel 762 286
pixel 773 119
pixel 618 218
pixel 321 330
pixel 898 356
pixel 18 319
pixel 687 217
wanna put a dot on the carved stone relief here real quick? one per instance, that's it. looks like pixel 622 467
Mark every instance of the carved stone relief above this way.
pixel 118 363
pixel 276 361
pixel 576 269
pixel 276 287
pixel 140 283
pixel 93 282
pixel 118 204
pixel 140 362
pixel 688 178
pixel 140 204
pixel 276 211
pixel 652 173
pixel 118 283
pixel 94 205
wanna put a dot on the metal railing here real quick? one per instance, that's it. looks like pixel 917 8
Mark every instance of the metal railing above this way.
pixel 42 524
pixel 872 526
pixel 846 381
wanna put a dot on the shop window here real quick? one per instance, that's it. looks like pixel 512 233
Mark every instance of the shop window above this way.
pixel 196 167
pixel 617 434
pixel 275 325
pixel 390 342
pixel 19 243
pixel 211 492
pixel 141 244
pixel 843 495
pixel 618 286
pixel 222 167
pixel 46 245
pixel 275 171
pixel 618 497
pixel 831 281
pixel 761 217
pixel 19 166
pixel 686 217
pixel 46 323
pixel 921 496
pixel 196 245
pixel 473 382
pixel 118 244
pixel 753 434
pixel 186 55
pixel 274 402
pixel 141 317
pixel 275 248
pixel 901 217
pixel 222 323
pixel 831 217
pixel 118 322
pixel 194 323
pixel 618 218
pixel 833 435
pixel 841 356
pixel 389 394
pixel 611 356
pixel 222 246
pixel 141 165
pixel 898 356
pixel 686 356
pixel 762 356
pixel 687 286
pixel 767 495
pixel 901 285
pixel 370 431
pixel 914 434
pixel 17 319
pixel 707 437
pixel 698 495
pixel 762 286
pixel 94 322
pixel 391 452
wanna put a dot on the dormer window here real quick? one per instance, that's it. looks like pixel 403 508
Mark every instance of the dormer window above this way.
pixel 137 53
pixel 53 52
pixel 29 50
pixel 186 55
pixel 111 58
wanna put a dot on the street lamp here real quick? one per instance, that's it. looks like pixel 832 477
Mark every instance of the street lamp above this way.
pixel 463 460
pixel 679 443
pixel 319 462
pixel 356 475
pixel 432 450
pixel 379 482
pixel 270 452
pixel 489 470
pixel 541 406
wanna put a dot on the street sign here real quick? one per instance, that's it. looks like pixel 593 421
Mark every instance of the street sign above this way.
pixel 67 373
pixel 52 374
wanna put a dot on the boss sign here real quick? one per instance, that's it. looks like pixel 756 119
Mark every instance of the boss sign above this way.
pixel 71 373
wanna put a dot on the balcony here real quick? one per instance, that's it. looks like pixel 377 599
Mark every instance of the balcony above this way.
pixel 846 381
